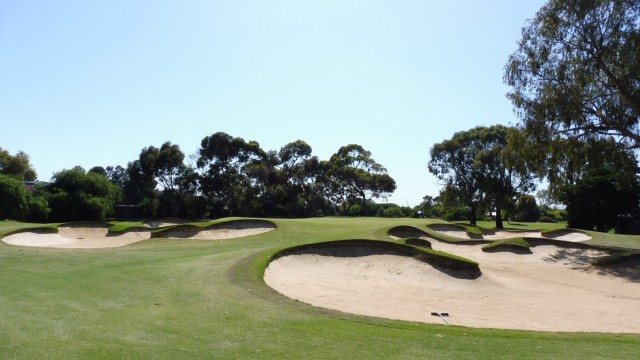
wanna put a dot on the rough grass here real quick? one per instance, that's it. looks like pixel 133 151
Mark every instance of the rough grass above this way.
pixel 194 299
pixel 515 244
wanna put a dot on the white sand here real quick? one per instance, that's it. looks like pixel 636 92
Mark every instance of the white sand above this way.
pixel 76 238
pixel 163 223
pixel 231 230
pixel 552 289
pixel 97 237
pixel 457 232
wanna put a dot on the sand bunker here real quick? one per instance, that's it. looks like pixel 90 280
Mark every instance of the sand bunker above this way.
pixel 459 232
pixel 551 289
pixel 154 224
pixel 77 237
pixel 403 232
pixel 228 230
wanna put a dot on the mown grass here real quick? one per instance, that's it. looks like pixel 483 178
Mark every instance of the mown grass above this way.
pixel 193 299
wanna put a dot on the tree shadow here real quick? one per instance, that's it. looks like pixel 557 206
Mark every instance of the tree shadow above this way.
pixel 582 259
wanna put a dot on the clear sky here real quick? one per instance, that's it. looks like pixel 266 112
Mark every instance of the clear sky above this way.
pixel 93 82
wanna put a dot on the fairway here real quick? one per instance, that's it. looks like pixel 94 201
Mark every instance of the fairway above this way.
pixel 190 298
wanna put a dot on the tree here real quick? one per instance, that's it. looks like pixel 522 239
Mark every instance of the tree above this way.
pixel 598 198
pixel 477 166
pixel 76 195
pixel 351 175
pixel 15 199
pixel 222 161
pixel 452 161
pixel 576 73
pixel 527 209
pixel 501 175
pixel 17 167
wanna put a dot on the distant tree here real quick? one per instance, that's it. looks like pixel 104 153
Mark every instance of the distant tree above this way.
pixel 75 195
pixel 576 73
pixel 501 175
pixel 98 170
pixel 352 176
pixel 526 209
pixel 153 180
pixel 596 200
pixel 222 161
pixel 17 167
pixel 15 199
pixel 117 175
pixel 476 166
pixel 297 171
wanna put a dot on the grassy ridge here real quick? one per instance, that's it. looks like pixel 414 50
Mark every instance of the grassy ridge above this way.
pixel 186 299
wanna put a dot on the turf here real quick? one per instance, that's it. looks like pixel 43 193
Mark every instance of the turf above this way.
pixel 188 299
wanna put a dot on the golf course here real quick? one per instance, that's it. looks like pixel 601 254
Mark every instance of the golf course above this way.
pixel 325 288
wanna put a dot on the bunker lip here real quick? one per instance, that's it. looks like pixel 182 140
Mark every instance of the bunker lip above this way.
pixel 459 232
pixel 77 236
pixel 225 230
pixel 96 235
pixel 551 289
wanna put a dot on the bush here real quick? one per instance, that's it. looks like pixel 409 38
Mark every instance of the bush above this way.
pixel 75 195
pixel 526 209
pixel 457 213
pixel 547 219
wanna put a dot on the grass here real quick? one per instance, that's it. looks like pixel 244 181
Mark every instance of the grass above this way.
pixel 507 244
pixel 190 299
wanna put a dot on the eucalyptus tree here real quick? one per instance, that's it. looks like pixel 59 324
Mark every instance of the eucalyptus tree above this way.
pixel 297 171
pixel 452 161
pixel 16 166
pixel 352 176
pixel 576 72
pixel 477 165
pixel 222 162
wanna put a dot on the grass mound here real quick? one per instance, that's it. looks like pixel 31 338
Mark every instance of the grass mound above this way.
pixel 516 245
pixel 453 265
pixel 418 242
pixel 231 226
pixel 404 232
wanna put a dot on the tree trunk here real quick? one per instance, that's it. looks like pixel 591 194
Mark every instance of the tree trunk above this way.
pixel 499 224
pixel 472 215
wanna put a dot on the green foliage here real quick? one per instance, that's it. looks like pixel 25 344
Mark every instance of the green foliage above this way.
pixel 576 73
pixel 478 165
pixel 75 195
pixel 19 204
pixel 16 166
pixel 223 163
pixel 515 244
pixel 455 214
pixel 351 175
pixel 526 209
pixel 555 214
pixel 15 199
pixel 547 219
pixel 597 199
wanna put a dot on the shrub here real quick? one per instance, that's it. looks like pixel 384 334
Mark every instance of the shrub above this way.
pixel 457 213
pixel 547 219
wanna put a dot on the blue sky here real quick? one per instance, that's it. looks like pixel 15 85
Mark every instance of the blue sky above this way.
pixel 93 82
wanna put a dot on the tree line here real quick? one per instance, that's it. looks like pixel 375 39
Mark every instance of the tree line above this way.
pixel 227 176
pixel 575 88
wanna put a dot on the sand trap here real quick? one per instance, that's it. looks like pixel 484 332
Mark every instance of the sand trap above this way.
pixel 551 289
pixel 90 237
pixel 228 230
pixel 458 232
pixel 154 224
pixel 403 232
